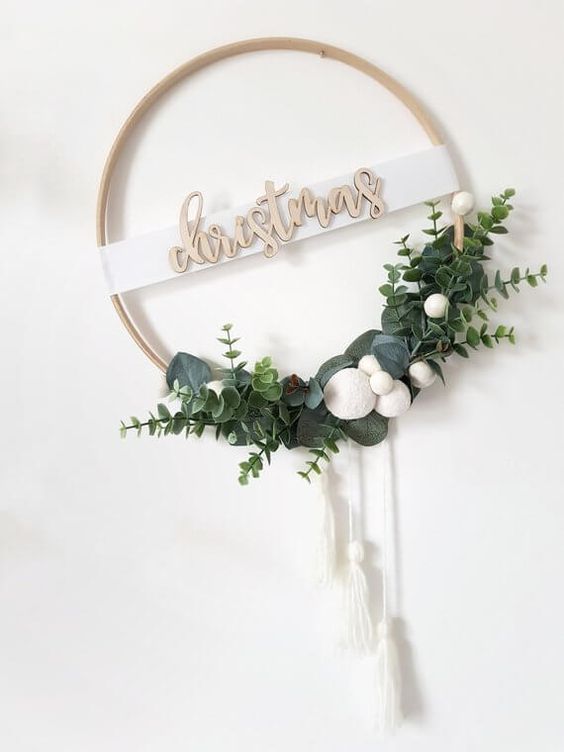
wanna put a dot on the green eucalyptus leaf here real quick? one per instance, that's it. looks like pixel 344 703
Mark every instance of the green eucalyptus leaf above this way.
pixel 331 367
pixel 231 396
pixel 163 412
pixel 293 396
pixel 314 426
pixel 273 393
pixel 460 350
pixel 188 370
pixel 314 394
pixel 500 213
pixel 392 353
pixel 256 400
pixel 362 345
pixel 472 336
pixel 367 431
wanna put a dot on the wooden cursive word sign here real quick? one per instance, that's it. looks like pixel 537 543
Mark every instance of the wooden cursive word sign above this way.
pixel 266 221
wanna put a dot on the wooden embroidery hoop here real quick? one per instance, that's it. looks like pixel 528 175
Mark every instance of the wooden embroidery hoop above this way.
pixel 214 56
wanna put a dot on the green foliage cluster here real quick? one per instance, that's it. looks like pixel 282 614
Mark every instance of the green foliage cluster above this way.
pixel 258 409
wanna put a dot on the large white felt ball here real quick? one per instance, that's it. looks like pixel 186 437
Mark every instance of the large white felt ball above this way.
pixel 396 402
pixel 421 374
pixel 369 365
pixel 462 203
pixel 348 395
pixel 381 382
pixel 435 306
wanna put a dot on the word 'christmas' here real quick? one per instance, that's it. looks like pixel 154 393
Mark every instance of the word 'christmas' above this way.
pixel 267 222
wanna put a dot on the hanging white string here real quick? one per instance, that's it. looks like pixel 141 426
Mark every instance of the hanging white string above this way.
pixel 388 678
pixel 357 624
pixel 326 547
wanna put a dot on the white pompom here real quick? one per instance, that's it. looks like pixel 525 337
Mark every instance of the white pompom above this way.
pixel 381 382
pixel 368 364
pixel 348 394
pixel 435 306
pixel 462 203
pixel 421 374
pixel 215 386
pixel 396 402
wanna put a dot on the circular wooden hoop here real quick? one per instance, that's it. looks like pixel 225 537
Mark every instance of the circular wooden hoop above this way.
pixel 214 56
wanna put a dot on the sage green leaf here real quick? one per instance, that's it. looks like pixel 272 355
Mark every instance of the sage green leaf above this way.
pixel 362 345
pixel 314 426
pixel 331 367
pixel 437 369
pixel 256 400
pixel 293 396
pixel 231 396
pixel 314 394
pixel 472 336
pixel 412 275
pixel 273 393
pixel 392 353
pixel 188 370
pixel 500 213
pixel 367 431
pixel 163 411
pixel 460 350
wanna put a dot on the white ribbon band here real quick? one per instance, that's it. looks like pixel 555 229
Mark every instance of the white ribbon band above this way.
pixel 408 180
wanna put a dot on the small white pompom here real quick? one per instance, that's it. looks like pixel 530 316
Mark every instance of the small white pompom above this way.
pixel 396 402
pixel 348 395
pixel 462 203
pixel 435 306
pixel 369 365
pixel 421 374
pixel 381 383
pixel 215 386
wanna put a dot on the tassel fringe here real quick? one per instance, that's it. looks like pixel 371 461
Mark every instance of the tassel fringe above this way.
pixel 357 628
pixel 388 680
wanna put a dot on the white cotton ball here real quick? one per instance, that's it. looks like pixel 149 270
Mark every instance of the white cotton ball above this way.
pixel 396 402
pixel 348 395
pixel 368 364
pixel 381 382
pixel 435 306
pixel 462 203
pixel 421 374
pixel 215 386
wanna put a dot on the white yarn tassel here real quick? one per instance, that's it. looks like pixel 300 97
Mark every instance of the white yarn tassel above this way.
pixel 357 627
pixel 326 548
pixel 388 680
pixel 388 677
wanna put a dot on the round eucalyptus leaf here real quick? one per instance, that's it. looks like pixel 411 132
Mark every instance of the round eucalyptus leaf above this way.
pixel 188 370
pixel 367 431
pixel 314 394
pixel 331 367
pixel 362 345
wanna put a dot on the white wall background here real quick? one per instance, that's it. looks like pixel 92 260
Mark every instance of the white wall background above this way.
pixel 146 602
